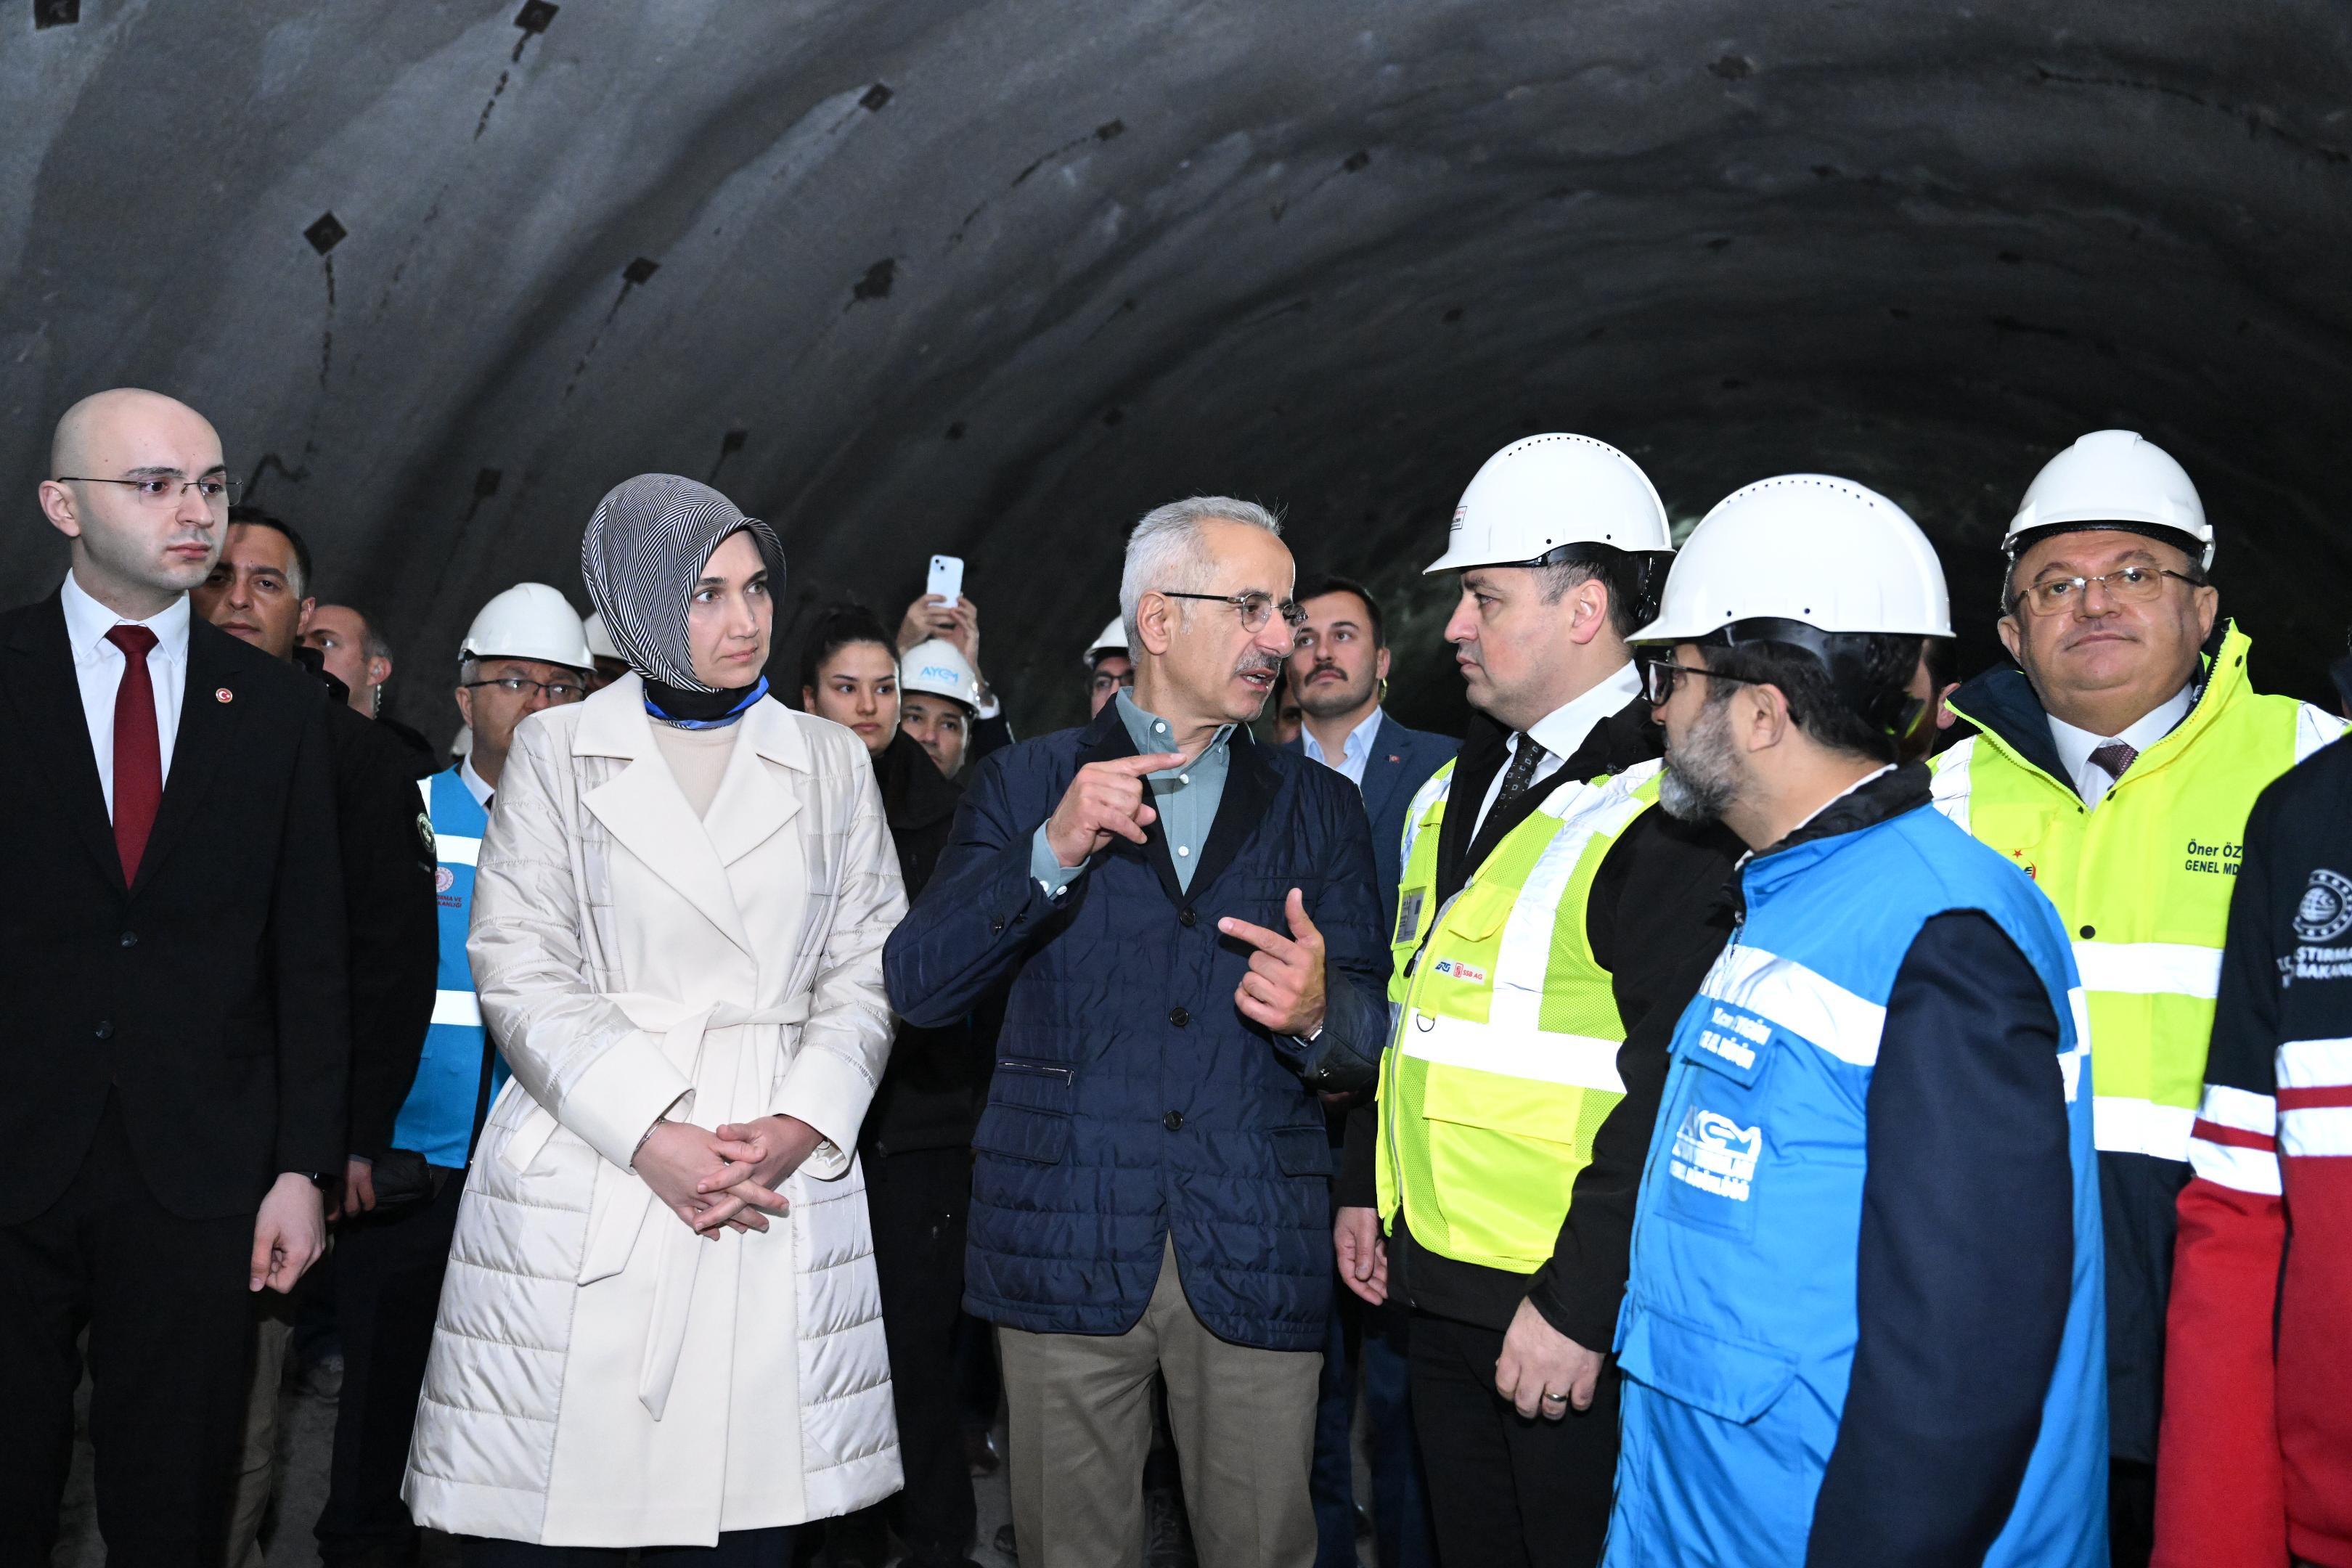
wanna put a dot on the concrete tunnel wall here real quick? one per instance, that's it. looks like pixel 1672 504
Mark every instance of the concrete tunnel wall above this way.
pixel 994 277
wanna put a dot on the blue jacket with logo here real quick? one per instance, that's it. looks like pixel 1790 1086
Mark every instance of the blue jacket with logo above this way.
pixel 1866 1317
pixel 1130 1099
pixel 436 1120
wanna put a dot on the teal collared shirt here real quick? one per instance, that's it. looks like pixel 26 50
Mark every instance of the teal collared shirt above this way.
pixel 1185 798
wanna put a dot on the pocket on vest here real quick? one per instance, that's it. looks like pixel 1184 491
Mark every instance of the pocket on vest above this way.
pixel 1684 1361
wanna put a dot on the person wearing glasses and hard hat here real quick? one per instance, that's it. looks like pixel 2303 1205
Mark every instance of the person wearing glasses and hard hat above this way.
pixel 526 650
pixel 1547 930
pixel 1863 1325
pixel 1110 669
pixel 2115 766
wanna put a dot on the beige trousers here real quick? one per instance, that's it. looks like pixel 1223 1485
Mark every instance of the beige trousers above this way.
pixel 1081 1426
pixel 257 1464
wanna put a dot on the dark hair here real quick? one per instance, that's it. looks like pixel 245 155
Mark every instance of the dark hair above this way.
pixel 1943 657
pixel 1633 577
pixel 1847 690
pixel 253 517
pixel 836 627
pixel 1328 583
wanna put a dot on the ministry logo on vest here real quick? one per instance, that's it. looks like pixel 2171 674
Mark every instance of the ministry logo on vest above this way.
pixel 1716 1154
pixel 2326 910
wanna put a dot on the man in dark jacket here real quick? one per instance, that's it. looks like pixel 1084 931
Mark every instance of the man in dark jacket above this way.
pixel 259 593
pixel 1191 931
pixel 1339 670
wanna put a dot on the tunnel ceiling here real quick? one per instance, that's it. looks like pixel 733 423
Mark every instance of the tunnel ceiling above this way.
pixel 992 278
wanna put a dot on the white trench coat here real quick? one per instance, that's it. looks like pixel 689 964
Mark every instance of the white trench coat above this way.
pixel 600 1375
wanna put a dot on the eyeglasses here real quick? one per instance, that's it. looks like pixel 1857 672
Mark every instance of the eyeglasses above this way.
pixel 2127 585
pixel 218 491
pixel 559 692
pixel 1659 676
pixel 1253 608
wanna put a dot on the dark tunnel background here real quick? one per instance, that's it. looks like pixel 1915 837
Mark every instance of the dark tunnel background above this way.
pixel 992 279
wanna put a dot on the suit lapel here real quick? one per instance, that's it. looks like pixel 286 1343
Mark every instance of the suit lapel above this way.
pixel 208 724
pixel 1105 739
pixel 47 696
pixel 1251 784
pixel 642 808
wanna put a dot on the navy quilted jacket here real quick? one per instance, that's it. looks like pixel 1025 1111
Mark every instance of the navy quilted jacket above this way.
pixel 1130 1099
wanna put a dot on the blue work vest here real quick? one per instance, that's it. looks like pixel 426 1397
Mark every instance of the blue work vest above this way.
pixel 436 1120
pixel 1737 1338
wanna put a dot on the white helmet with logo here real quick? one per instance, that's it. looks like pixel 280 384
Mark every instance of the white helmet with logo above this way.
pixel 2112 478
pixel 1544 492
pixel 940 669
pixel 1826 552
pixel 529 620
pixel 1112 641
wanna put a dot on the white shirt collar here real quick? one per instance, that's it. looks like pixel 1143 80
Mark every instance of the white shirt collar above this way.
pixel 1354 748
pixel 1564 728
pixel 480 790
pixel 2075 745
pixel 87 622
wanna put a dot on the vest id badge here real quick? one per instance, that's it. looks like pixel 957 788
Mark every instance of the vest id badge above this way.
pixel 1409 916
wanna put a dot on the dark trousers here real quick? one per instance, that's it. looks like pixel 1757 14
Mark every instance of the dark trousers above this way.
pixel 387 1292
pixel 917 1203
pixel 1372 1341
pixel 1507 1491
pixel 171 1336
pixel 735 1548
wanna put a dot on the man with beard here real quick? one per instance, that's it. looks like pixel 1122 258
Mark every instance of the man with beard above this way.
pixel 1863 1320
pixel 1192 934
pixel 259 592
pixel 1339 673
pixel 1547 930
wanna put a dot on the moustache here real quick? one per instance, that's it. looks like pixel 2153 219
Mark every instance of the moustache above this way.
pixel 1269 663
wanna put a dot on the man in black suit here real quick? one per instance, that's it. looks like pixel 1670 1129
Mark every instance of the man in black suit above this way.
pixel 1339 670
pixel 173 1030
pixel 259 593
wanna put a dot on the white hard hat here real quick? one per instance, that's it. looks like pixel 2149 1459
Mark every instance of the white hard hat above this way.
pixel 1543 491
pixel 600 640
pixel 1804 547
pixel 2112 477
pixel 1112 641
pixel 529 620
pixel 940 669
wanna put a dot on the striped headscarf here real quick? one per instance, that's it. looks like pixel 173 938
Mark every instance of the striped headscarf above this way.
pixel 643 553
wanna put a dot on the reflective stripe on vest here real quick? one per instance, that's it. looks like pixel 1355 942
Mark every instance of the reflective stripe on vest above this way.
pixel 2142 882
pixel 437 1119
pixel 1507 1031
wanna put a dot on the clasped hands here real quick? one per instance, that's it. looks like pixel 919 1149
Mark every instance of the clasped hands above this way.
pixel 725 1179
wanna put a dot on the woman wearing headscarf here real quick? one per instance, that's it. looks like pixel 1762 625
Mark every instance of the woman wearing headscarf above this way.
pixel 661 1326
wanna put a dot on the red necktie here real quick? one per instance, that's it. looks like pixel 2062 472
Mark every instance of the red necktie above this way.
pixel 138 752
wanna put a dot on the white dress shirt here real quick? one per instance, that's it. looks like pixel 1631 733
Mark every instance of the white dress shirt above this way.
pixel 1560 731
pixel 1353 752
pixel 2091 780
pixel 97 669
pixel 474 782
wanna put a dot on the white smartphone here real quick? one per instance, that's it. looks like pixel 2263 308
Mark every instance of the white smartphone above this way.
pixel 946 577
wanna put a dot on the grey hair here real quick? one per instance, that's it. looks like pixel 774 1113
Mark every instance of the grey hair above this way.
pixel 1167 552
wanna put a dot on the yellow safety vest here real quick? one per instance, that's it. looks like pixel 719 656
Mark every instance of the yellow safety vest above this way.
pixel 2142 882
pixel 1503 1053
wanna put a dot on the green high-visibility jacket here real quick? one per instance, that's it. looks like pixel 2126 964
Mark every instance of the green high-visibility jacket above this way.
pixel 2142 882
pixel 1503 1055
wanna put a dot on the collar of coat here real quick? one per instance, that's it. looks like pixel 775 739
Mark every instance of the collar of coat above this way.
pixel 642 807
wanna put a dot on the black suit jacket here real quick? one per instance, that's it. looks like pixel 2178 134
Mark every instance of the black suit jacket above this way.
pixel 1402 760
pixel 210 994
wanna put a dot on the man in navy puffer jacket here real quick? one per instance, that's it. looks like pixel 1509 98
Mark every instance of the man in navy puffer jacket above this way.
pixel 1192 927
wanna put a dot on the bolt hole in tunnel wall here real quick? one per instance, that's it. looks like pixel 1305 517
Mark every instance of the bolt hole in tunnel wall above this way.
pixel 991 279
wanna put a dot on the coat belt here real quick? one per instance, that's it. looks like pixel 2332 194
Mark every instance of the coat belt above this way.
pixel 622 1201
